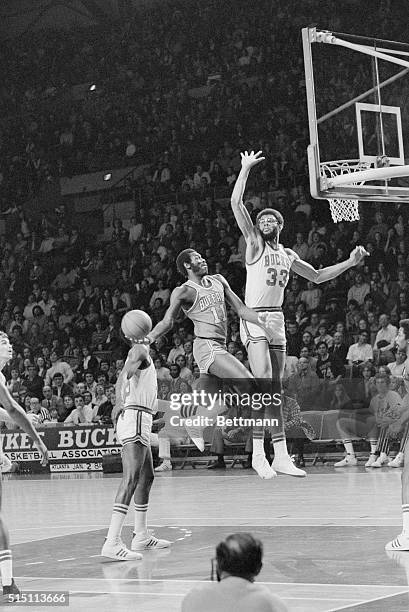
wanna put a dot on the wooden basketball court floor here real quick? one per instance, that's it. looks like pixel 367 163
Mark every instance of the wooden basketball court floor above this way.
pixel 324 538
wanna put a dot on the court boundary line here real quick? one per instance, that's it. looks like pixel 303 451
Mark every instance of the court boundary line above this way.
pixel 301 584
pixel 367 601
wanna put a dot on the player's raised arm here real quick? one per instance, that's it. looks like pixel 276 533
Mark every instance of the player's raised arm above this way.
pixel 241 214
pixel 136 356
pixel 177 298
pixel 307 271
pixel 18 415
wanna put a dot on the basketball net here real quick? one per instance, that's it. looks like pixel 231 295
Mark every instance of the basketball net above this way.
pixel 344 209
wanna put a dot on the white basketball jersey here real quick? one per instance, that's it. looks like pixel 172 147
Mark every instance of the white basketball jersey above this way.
pixel 267 278
pixel 140 391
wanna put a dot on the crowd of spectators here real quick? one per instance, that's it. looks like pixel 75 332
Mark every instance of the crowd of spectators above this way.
pixel 63 292
pixel 141 108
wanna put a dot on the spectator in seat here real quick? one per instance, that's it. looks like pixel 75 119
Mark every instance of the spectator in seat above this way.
pixel 176 380
pixel 162 372
pixel 15 383
pixel 81 414
pixel 339 349
pixel 39 318
pixel 306 354
pixel 176 350
pixel 293 339
pixel 99 397
pixel 118 304
pixel 328 367
pixel 59 387
pixel 385 340
pixel 46 302
pixel 35 413
pixel 49 400
pixel 323 336
pixel 185 372
pixel 103 413
pixel 61 281
pixel 359 352
pixel 90 384
pixel 311 296
pixel 112 338
pixel 89 361
pixel 397 367
pixel 98 335
pixel 359 290
pixel 313 324
pixel 60 366
pixel 226 436
pixel 34 383
pixel 190 360
pixel 41 367
pixel 305 385
pixel 238 562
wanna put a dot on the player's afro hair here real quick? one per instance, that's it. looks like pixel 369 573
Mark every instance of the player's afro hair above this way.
pixel 271 211
pixel 182 259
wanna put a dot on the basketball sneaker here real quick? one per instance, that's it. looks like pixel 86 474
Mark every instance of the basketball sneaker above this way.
pixel 147 541
pixel 284 465
pixel 117 551
pixel 165 466
pixel 9 591
pixel 371 460
pixel 397 462
pixel 401 542
pixel 260 464
pixel 382 460
pixel 348 461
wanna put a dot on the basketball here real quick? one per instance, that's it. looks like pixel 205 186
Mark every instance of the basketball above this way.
pixel 136 324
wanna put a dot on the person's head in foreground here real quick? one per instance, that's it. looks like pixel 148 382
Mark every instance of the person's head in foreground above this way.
pixel 239 555
pixel 239 559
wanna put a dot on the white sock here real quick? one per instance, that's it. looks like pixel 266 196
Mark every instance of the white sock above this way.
pixel 280 450
pixel 349 447
pixel 405 518
pixel 164 448
pixel 141 516
pixel 119 513
pixel 374 444
pixel 6 567
pixel 258 446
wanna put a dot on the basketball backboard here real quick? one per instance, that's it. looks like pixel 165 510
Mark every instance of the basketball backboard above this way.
pixel 357 110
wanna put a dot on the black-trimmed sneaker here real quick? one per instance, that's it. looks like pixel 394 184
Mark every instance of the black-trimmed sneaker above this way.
pixel 148 543
pixel 9 590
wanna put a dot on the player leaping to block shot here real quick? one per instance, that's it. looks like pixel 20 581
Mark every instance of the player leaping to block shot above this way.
pixel 203 299
pixel 136 402
pixel 17 414
pixel 268 266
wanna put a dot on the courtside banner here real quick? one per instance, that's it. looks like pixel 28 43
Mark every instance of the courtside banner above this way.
pixel 74 449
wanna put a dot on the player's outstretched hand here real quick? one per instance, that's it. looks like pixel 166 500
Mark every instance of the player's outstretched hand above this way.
pixel 42 449
pixel 357 255
pixel 248 160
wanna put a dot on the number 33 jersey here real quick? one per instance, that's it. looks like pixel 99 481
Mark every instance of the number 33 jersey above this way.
pixel 267 277
pixel 208 311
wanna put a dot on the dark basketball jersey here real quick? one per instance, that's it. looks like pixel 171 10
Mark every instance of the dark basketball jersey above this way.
pixel 208 311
